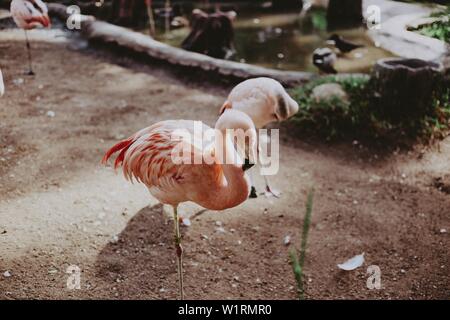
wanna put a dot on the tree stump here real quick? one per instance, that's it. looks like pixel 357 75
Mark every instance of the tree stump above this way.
pixel 129 13
pixel 405 87
pixel 344 14
pixel 211 34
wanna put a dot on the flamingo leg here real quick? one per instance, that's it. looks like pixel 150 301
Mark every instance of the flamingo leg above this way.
pixel 30 71
pixel 179 250
pixel 269 190
pixel 253 193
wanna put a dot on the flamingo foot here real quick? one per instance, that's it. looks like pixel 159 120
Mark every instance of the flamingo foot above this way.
pixel 253 193
pixel 272 192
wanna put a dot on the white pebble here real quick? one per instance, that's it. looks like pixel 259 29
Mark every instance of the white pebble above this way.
pixel 51 114
pixel 18 81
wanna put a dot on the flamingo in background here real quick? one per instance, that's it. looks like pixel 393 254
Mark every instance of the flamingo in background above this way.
pixel 265 101
pixel 151 18
pixel 29 14
pixel 147 157
pixel 2 86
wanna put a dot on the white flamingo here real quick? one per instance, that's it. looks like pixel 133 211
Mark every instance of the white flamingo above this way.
pixel 30 14
pixel 265 101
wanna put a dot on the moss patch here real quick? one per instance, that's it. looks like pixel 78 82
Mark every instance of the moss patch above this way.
pixel 361 118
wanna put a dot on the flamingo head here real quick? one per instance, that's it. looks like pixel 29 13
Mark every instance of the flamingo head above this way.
pixel 239 127
pixel 39 15
pixel 264 100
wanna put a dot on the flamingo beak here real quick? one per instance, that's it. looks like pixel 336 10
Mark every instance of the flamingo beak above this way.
pixel 46 22
pixel 247 164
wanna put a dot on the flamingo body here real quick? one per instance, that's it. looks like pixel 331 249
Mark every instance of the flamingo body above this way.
pixel 146 157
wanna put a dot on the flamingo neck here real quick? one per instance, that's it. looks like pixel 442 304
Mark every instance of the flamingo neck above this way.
pixel 235 188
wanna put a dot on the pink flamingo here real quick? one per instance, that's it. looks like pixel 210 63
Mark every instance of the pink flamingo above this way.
pixel 30 14
pixel 147 157
pixel 265 101
pixel 2 86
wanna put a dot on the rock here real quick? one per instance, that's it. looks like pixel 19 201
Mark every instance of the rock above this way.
pixel 18 81
pixel 186 222
pixel 220 230
pixel 329 91
pixel 287 240
pixel 7 274
pixel 51 114
pixel 115 239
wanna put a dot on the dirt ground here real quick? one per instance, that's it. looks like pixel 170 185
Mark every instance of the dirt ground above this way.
pixel 59 207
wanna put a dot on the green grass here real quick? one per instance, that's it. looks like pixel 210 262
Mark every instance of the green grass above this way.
pixel 362 117
pixel 439 29
pixel 298 258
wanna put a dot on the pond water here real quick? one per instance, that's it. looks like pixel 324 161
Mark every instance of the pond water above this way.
pixel 287 41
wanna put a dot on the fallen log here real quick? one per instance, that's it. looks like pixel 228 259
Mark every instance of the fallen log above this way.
pixel 105 32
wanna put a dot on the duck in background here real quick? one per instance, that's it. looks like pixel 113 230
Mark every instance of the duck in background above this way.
pixel 341 44
pixel 324 59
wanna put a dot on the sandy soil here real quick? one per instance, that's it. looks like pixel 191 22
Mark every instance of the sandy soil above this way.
pixel 59 207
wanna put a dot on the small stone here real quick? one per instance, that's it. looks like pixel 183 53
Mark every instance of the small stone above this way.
pixel 443 230
pixel 7 274
pixel 220 230
pixel 186 222
pixel 115 239
pixel 18 81
pixel 53 271
pixel 287 240
pixel 204 237
pixel 51 114
pixel 329 91
pixel 219 223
